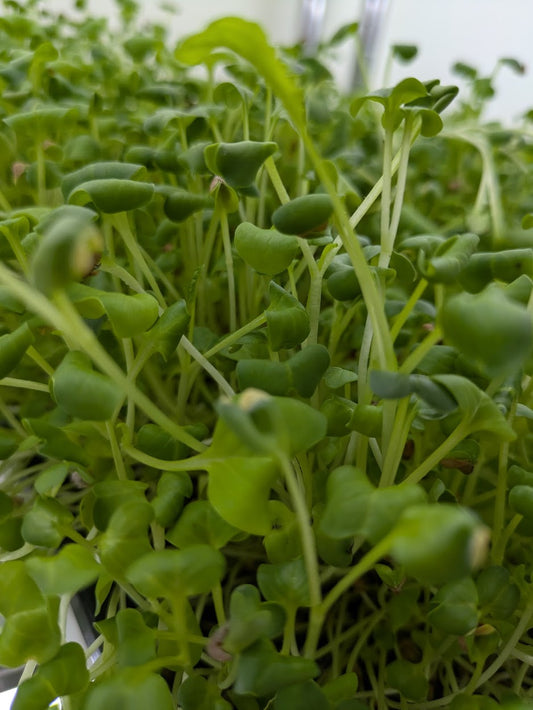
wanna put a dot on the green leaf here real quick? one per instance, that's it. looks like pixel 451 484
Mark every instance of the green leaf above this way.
pixel 110 495
pixel 155 441
pixel 81 391
pixel 239 488
pixel 67 252
pixel 285 583
pixel 179 204
pixel 104 170
pixel 449 259
pixel 408 678
pixel 30 629
pixel 112 195
pixel 506 265
pixel 270 376
pixel 478 409
pixel 283 542
pixel 474 702
pixel 301 696
pixel 199 523
pixel 455 607
pixel 338 411
pixel 262 671
pixel 307 368
pixel 492 331
pixel 355 507
pixel 265 250
pixel 343 284
pixel 498 595
pixel 172 489
pixel 287 320
pixel 438 543
pixel 263 422
pixel 226 198
pixel 404 92
pixel 343 687
pixel 55 442
pixel 43 120
pixel 336 377
pixel 176 573
pixel 197 693
pixel 238 163
pixel 128 315
pixel 367 419
pixel 64 674
pixel 132 688
pixel 404 52
pixel 18 591
pixel 249 41
pixel 527 221
pixel 70 570
pixel 303 215
pixel 521 500
pixel 231 95
pixel 396 385
pixel 250 619
pixel 12 348
pixel 49 481
pixel 126 536
pixel 136 641
pixel 31 634
pixel 45 524
pixel 165 335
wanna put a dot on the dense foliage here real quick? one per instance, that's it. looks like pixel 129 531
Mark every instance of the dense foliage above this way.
pixel 265 377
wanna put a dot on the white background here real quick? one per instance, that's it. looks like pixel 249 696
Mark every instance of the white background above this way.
pixel 478 32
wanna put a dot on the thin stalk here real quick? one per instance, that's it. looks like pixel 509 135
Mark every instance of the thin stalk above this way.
pixel 386 241
pixel 373 299
pixel 318 613
pixel 507 534
pixel 235 336
pixel 39 360
pixel 226 388
pixel 275 179
pixel 490 177
pixel 401 180
pixel 418 354
pixel 41 171
pixel 458 434
pixel 289 645
pixel 306 530
pixel 315 292
pixel 506 651
pixel 396 442
pixel 406 311
pixel 63 316
pixel 189 372
pixel 191 464
pixel 28 671
pixel 376 190
pixel 218 603
pixel 122 225
pixel 228 256
pixel 156 271
pixel 24 384
pixel 107 266
pixel 115 450
pixel 129 358
pixel 498 524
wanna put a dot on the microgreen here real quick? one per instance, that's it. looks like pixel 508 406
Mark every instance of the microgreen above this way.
pixel 265 376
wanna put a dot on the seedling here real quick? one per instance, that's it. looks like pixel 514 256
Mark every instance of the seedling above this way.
pixel 265 361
